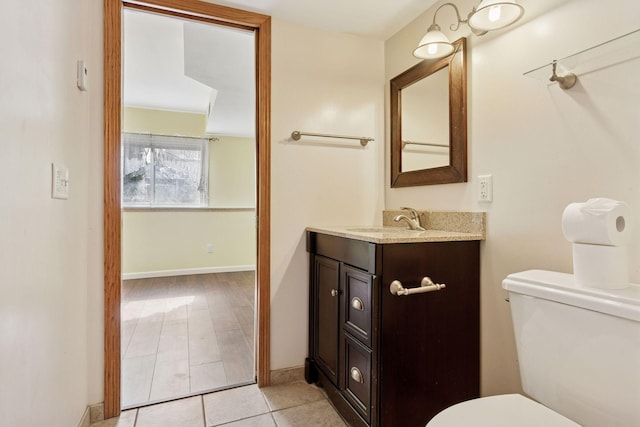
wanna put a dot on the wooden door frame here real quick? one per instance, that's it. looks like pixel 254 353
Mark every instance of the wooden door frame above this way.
pixel 199 10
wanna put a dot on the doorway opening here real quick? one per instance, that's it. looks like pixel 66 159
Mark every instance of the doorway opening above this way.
pixel 117 221
pixel 188 220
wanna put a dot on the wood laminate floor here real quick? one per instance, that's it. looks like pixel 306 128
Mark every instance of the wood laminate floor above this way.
pixel 186 335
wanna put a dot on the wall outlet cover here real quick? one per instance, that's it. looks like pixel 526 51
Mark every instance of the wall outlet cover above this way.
pixel 485 188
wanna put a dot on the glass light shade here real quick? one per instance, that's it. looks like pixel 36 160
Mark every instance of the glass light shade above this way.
pixel 495 14
pixel 433 45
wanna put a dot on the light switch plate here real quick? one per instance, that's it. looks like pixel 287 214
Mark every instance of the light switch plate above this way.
pixel 59 181
pixel 82 75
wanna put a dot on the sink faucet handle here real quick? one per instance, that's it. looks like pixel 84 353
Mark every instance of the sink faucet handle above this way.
pixel 414 213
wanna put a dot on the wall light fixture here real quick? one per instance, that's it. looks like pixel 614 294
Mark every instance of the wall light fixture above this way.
pixel 487 16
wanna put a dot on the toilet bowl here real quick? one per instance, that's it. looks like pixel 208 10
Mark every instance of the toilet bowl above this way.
pixel 579 356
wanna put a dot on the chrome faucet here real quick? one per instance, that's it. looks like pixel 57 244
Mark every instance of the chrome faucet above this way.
pixel 413 222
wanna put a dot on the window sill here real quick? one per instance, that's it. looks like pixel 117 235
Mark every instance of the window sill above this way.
pixel 187 208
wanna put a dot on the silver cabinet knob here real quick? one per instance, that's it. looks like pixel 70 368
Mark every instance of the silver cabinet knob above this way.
pixel 356 375
pixel 357 304
pixel 334 292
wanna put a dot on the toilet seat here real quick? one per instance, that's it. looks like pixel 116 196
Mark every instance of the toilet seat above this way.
pixel 506 410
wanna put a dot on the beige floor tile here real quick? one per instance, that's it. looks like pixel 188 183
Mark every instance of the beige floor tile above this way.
pixel 203 349
pixel 234 405
pixel 316 414
pixel 207 376
pixel 174 339
pixel 170 379
pixel 200 322
pixel 153 309
pixel 144 340
pixel 137 374
pixel 290 395
pixel 127 329
pixel 182 413
pixel 176 308
pixel 265 420
pixel 224 320
pixel 198 302
pixel 236 356
pixel 126 419
pixel 173 348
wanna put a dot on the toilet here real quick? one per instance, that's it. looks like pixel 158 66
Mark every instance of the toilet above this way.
pixel 579 356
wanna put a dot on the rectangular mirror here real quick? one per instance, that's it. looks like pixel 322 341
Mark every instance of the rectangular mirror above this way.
pixel 429 121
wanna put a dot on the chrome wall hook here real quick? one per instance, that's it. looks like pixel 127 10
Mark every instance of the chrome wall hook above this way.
pixel 566 81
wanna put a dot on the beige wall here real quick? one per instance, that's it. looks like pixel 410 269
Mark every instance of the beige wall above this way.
pixel 329 83
pixel 232 172
pixel 162 241
pixel 162 122
pixel 170 241
pixel 545 148
pixel 50 250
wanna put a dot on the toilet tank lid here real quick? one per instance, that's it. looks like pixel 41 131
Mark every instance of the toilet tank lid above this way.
pixel 561 287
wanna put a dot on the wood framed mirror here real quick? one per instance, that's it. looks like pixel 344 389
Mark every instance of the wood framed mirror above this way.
pixel 429 121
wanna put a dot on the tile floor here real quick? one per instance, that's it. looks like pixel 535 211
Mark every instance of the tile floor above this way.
pixel 296 404
pixel 187 334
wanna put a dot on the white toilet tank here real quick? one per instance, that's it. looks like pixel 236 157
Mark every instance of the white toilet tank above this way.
pixel 578 348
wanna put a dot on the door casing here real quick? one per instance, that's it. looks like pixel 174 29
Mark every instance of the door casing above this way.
pixel 208 12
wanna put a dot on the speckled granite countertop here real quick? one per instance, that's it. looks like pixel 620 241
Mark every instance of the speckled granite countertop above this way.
pixel 441 227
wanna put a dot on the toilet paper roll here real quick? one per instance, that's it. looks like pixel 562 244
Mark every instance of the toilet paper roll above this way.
pixel 597 266
pixel 597 221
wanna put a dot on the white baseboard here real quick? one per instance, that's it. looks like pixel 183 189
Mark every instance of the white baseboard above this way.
pixel 187 271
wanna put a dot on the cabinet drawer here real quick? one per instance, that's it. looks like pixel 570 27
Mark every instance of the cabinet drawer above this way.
pixel 356 306
pixel 357 377
pixel 357 253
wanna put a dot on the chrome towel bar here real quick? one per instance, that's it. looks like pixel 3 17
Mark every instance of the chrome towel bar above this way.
pixel 427 144
pixel 295 135
pixel 426 285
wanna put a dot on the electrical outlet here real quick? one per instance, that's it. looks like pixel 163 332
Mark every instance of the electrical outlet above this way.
pixel 209 248
pixel 485 188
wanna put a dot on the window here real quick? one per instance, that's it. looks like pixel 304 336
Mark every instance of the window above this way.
pixel 162 170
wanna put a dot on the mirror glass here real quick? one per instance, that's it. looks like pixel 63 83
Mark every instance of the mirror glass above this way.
pixel 428 122
pixel 425 143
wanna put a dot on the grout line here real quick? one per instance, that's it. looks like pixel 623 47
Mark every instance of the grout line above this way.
pixel 155 360
pixel 204 414
pixel 186 309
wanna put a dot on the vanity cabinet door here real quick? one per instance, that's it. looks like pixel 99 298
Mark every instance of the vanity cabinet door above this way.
pixel 429 342
pixel 326 282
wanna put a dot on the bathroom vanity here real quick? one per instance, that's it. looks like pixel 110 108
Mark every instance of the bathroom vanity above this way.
pixel 387 359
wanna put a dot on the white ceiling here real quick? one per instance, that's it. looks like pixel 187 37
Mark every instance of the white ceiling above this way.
pixel 176 65
pixel 378 19
pixel 171 64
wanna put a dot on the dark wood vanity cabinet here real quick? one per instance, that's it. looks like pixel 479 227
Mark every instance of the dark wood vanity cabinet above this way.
pixel 388 360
